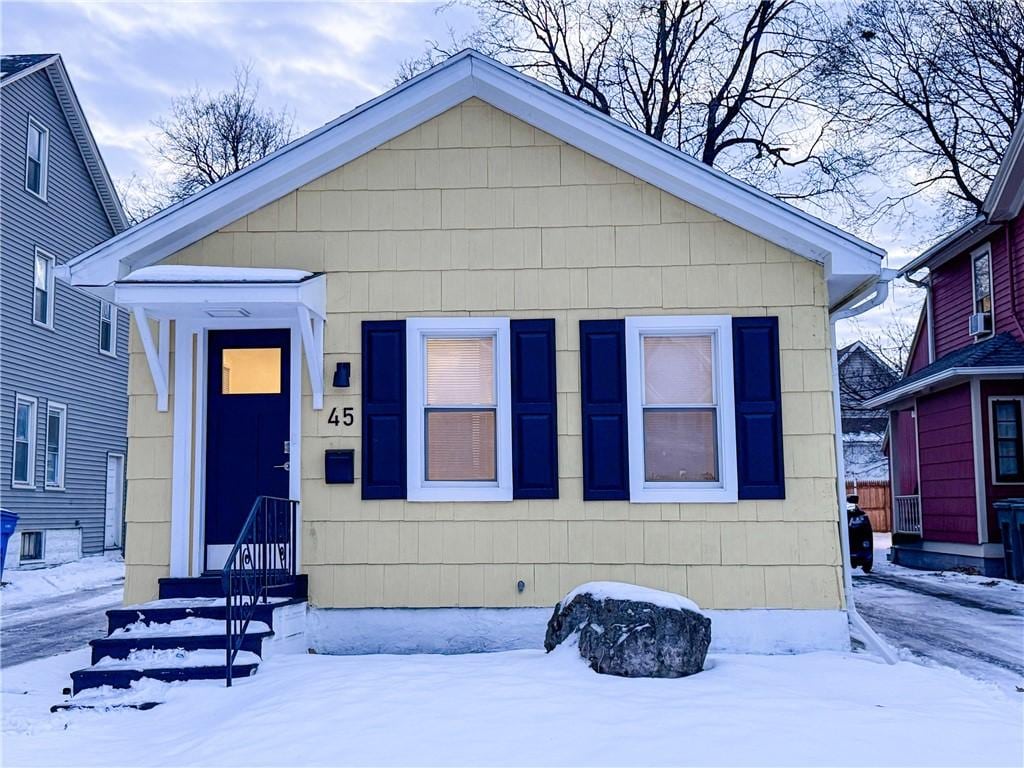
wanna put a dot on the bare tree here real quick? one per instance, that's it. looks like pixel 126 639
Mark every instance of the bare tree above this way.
pixel 729 83
pixel 936 86
pixel 208 136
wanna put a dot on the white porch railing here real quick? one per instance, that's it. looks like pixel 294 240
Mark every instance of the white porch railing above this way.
pixel 907 515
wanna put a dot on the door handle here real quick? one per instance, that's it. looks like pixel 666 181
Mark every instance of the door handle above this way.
pixel 286 465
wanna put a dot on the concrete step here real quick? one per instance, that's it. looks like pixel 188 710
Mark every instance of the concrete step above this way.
pixel 166 666
pixel 165 611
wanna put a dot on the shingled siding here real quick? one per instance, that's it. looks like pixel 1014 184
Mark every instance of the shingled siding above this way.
pixel 947 466
pixel 62 365
pixel 475 212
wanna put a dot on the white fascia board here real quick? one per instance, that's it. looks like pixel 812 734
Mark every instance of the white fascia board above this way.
pixel 848 260
pixel 272 178
pixel 178 300
pixel 939 378
pixel 672 171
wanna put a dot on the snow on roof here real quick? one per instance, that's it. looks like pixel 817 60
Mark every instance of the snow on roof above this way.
pixel 617 590
pixel 183 273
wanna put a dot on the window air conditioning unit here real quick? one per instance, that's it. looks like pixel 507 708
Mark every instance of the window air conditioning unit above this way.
pixel 980 323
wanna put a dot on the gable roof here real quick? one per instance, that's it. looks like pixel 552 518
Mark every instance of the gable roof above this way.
pixel 851 264
pixel 1001 354
pixel 1003 202
pixel 860 346
pixel 19 62
pixel 15 67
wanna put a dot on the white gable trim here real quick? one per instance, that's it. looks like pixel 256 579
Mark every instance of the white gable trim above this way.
pixel 849 260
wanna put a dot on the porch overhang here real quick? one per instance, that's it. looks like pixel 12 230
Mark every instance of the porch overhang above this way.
pixel 224 297
pixel 941 380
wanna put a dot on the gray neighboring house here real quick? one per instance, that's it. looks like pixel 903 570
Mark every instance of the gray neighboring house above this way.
pixel 63 352
pixel 862 375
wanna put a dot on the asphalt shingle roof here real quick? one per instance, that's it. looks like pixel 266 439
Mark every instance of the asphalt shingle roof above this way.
pixel 1002 351
pixel 15 63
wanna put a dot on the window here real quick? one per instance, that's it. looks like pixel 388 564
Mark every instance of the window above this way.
pixel 23 466
pixel 1007 446
pixel 108 328
pixel 679 395
pixel 459 394
pixel 981 278
pixel 56 439
pixel 31 546
pixel 37 152
pixel 42 297
pixel 251 371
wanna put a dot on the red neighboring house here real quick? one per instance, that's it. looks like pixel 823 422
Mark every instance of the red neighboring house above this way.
pixel 955 418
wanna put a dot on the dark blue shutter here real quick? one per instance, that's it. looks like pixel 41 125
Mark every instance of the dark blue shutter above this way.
pixel 603 398
pixel 756 372
pixel 383 461
pixel 534 410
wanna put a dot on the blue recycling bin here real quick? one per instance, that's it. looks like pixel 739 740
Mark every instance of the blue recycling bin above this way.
pixel 8 522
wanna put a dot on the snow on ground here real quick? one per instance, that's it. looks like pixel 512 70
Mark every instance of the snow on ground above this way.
pixel 971 623
pixel 525 708
pixel 32 586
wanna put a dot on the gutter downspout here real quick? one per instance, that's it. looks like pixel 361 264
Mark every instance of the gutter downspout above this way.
pixel 926 284
pixel 863 629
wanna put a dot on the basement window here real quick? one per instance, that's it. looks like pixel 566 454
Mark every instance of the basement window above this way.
pixel 31 546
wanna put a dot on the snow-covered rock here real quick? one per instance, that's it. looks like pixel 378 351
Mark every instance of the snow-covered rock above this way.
pixel 631 631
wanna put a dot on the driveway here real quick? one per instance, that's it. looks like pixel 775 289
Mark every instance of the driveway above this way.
pixel 55 624
pixel 970 623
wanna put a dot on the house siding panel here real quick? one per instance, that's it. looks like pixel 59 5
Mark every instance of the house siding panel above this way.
pixel 947 466
pixel 412 228
pixel 64 364
pixel 996 491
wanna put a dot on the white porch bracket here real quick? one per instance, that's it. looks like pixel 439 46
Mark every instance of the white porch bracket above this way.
pixel 157 358
pixel 311 327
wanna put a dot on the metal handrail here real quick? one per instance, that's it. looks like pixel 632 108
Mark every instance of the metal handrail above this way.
pixel 262 559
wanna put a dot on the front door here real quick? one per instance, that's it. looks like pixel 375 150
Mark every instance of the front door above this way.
pixel 247 430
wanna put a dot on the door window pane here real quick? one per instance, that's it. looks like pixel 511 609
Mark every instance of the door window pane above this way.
pixel 460 371
pixel 1006 435
pixel 461 446
pixel 680 446
pixel 678 370
pixel 251 371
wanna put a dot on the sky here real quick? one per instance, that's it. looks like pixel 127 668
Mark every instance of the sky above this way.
pixel 128 60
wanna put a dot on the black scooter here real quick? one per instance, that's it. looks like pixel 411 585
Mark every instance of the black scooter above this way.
pixel 862 540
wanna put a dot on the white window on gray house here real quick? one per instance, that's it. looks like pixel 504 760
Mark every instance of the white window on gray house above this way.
pixel 23 466
pixel 56 440
pixel 981 279
pixel 108 328
pixel 42 295
pixel 37 153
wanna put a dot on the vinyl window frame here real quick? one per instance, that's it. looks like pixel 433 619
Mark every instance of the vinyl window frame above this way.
pixel 725 489
pixel 51 293
pixel 418 488
pixel 30 479
pixel 112 352
pixel 993 440
pixel 44 160
pixel 41 538
pixel 984 252
pixel 62 452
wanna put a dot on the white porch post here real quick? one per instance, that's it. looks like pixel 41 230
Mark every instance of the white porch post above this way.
pixel 181 472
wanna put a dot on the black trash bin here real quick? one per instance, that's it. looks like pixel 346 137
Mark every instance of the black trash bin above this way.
pixel 1010 513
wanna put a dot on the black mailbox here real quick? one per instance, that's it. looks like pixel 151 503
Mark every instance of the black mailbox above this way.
pixel 339 466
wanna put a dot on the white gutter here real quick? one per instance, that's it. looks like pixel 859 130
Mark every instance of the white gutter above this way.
pixel 870 637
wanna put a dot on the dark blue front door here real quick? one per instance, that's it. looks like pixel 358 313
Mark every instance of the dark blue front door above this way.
pixel 247 419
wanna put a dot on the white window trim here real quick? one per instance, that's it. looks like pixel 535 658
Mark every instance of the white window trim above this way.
pixel 992 435
pixel 720 326
pixel 112 352
pixel 50 289
pixel 416 331
pixel 31 482
pixel 986 251
pixel 44 161
pixel 62 453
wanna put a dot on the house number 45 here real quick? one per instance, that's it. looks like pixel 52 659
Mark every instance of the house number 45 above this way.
pixel 347 417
